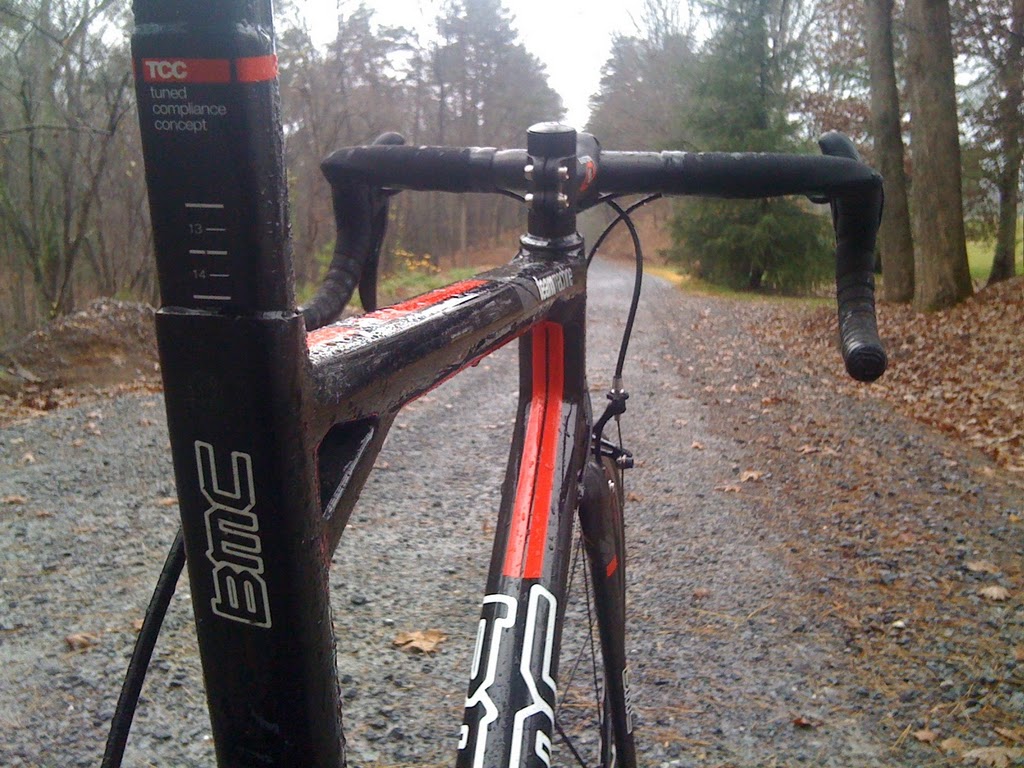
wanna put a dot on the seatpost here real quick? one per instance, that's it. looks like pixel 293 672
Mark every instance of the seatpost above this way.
pixel 209 112
pixel 233 356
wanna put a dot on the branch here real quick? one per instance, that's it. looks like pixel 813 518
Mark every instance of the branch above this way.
pixel 55 127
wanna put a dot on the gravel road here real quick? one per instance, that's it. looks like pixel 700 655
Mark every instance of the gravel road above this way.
pixel 740 656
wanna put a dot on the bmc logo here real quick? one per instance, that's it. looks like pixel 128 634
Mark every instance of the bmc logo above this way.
pixel 233 544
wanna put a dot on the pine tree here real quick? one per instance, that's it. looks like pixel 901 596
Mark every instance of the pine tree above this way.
pixel 740 105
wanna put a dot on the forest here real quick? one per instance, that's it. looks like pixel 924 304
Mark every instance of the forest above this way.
pixel 930 90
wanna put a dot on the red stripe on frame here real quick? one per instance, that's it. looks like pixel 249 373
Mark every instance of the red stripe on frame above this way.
pixel 612 567
pixel 339 332
pixel 175 71
pixel 435 296
pixel 256 69
pixel 531 510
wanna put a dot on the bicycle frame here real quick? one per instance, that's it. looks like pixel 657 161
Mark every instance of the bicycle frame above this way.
pixel 270 459
pixel 274 432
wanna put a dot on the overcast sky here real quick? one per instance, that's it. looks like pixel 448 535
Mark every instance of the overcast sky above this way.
pixel 546 27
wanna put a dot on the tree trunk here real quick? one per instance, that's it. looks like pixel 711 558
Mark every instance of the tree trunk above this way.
pixel 941 275
pixel 1004 260
pixel 895 243
pixel 1010 127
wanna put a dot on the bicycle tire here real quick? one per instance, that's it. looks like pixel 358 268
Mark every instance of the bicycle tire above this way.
pixel 593 642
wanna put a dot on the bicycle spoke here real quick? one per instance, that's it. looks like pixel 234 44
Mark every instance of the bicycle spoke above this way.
pixel 568 742
pixel 587 716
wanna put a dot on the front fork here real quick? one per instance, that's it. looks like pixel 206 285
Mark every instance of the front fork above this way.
pixel 601 520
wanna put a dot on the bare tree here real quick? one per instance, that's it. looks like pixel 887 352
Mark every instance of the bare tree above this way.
pixel 346 94
pixel 61 107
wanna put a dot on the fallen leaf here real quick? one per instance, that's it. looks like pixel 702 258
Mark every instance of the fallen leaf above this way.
pixel 981 566
pixel 167 501
pixel 996 594
pixel 80 641
pixel 1013 734
pixel 728 488
pixel 697 446
pixel 14 499
pixel 953 744
pixel 996 757
pixel 1018 653
pixel 751 475
pixel 28 458
pixel 701 593
pixel 420 641
pixel 806 449
pixel 803 722
pixel 925 735
pixel 137 624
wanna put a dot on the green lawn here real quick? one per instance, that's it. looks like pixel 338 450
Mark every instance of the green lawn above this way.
pixel 979 255
pixel 695 285
pixel 403 285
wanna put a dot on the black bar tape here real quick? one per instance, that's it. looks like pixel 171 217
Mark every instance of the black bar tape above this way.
pixel 353 218
pixel 854 190
pixel 441 169
pixel 856 216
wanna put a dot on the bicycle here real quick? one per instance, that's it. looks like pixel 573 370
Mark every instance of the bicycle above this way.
pixel 277 414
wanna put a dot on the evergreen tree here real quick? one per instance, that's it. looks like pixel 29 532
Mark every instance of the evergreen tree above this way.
pixel 740 104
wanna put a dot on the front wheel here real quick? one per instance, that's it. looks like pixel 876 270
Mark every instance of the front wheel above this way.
pixel 594 718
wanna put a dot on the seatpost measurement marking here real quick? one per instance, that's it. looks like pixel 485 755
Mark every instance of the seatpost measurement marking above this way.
pixel 204 258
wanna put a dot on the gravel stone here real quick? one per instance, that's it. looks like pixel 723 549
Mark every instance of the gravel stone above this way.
pixel 760 618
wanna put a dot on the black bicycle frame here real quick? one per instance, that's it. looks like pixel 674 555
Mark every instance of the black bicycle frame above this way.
pixel 274 431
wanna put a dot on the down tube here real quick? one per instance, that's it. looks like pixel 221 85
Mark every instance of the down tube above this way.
pixel 509 715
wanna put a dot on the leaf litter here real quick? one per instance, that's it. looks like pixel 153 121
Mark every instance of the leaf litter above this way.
pixel 899 501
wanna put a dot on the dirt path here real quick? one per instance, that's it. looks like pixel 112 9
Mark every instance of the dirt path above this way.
pixel 806 568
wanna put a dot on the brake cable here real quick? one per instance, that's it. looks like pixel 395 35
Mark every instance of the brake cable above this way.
pixel 617 396
pixel 128 699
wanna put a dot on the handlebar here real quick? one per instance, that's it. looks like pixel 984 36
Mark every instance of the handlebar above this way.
pixel 361 177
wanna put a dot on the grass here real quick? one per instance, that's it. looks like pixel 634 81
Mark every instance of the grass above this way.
pixel 979 259
pixel 979 255
pixel 402 285
pixel 700 287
